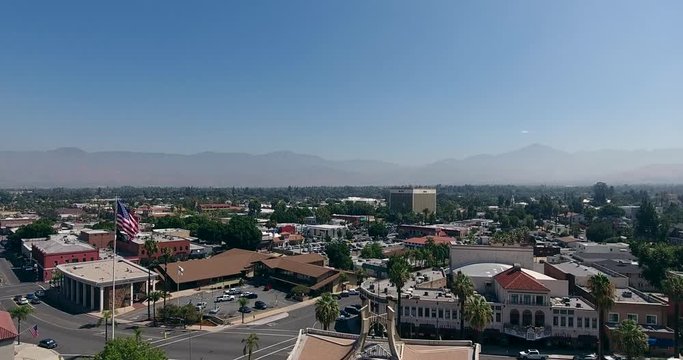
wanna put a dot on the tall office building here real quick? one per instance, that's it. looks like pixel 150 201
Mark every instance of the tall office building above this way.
pixel 416 200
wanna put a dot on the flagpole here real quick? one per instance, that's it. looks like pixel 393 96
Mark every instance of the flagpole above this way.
pixel 113 271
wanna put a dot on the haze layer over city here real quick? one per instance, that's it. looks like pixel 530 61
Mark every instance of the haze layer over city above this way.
pixel 397 180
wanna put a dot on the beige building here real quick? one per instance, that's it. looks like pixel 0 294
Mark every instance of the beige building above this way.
pixel 89 284
pixel 313 344
pixel 415 200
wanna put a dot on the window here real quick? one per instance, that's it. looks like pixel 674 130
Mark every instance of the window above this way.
pixel 563 312
pixel 587 323
pixel 539 300
pixel 175 248
pixel 556 311
pixel 570 321
pixel 633 317
pixel 433 313
pixel 613 317
pixel 570 312
pixel 527 299
pixel 498 317
pixel 448 314
pixel 579 322
pixel 594 323
pixel 406 311
pixel 514 299
pixel 554 320
pixel 440 313
pixel 419 312
pixel 413 312
pixel 563 321
pixel 651 319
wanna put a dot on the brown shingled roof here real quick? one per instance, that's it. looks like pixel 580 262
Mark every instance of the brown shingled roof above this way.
pixel 229 263
pixel 307 258
pixel 296 267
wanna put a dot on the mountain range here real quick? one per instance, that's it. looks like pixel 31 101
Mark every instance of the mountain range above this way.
pixel 531 165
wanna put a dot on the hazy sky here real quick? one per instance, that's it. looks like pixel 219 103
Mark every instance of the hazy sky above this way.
pixel 405 81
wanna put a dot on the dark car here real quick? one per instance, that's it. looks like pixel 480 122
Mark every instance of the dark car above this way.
pixel 40 293
pixel 244 309
pixel 260 305
pixel 30 296
pixel 352 310
pixel 251 296
pixel 47 343
pixel 344 313
pixel 35 301
pixel 18 298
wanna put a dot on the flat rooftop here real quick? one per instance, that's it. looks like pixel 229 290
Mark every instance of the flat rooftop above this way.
pixel 570 303
pixel 100 272
pixel 411 287
pixel 96 231
pixel 577 269
pixel 631 296
pixel 142 237
pixel 59 244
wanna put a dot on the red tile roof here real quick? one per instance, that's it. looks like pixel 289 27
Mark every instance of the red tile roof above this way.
pixel 7 329
pixel 516 279
pixel 423 240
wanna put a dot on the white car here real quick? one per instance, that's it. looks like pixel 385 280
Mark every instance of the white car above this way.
pixel 353 292
pixel 22 301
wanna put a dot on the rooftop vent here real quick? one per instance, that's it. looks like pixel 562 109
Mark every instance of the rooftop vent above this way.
pixel 627 294
pixel 578 305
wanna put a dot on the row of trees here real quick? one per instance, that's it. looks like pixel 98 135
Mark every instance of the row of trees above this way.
pixel 240 232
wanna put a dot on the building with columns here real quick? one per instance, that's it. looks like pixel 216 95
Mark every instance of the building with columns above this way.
pixel 89 284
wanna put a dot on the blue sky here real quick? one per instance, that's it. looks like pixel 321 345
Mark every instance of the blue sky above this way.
pixel 404 81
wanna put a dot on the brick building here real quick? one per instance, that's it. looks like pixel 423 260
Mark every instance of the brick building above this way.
pixel 178 247
pixel 100 239
pixel 48 253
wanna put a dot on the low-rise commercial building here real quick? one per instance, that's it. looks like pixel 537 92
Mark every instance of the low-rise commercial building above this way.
pixel 322 231
pixel 47 253
pixel 89 284
pixel 306 270
pixel 420 242
pixel 178 247
pixel 100 239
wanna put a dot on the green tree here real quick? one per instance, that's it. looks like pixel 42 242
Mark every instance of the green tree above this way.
pixel 251 343
pixel 104 320
pixel 40 228
pixel 602 291
pixel 655 259
pixel 326 310
pixel 243 233
pixel 130 348
pixel 600 230
pixel 151 248
pixel 322 215
pixel 377 230
pixel 463 288
pixel 673 288
pixel 600 193
pixel 611 211
pixel 154 296
pixel 478 313
pixel 103 225
pixel 339 255
pixel 399 272
pixel 371 251
pixel 647 222
pixel 254 208
pixel 20 313
pixel 631 339
pixel 242 301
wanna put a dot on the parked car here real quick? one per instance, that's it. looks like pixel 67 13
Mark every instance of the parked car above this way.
pixel 353 292
pixel 214 311
pixel 352 310
pixel 40 293
pixel 344 293
pixel 249 295
pixel 30 296
pixel 260 305
pixel 47 343
pixel 35 301
pixel 225 297
pixel 531 354
pixel 22 301
pixel 201 304
pixel 233 291
pixel 586 357
pixel 344 313
pixel 244 309
pixel 18 297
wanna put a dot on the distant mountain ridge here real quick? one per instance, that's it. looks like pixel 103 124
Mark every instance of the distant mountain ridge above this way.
pixel 531 165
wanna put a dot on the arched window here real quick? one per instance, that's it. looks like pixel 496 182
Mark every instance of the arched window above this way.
pixel 539 318
pixel 514 317
pixel 526 318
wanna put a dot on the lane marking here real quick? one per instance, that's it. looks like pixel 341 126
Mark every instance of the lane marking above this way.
pixel 267 347
pixel 275 352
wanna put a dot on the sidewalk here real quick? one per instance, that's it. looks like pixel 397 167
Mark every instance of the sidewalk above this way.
pixel 32 352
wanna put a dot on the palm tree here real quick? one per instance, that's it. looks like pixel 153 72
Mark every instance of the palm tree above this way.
pixel 399 273
pixel 20 313
pixel 165 258
pixel 631 339
pixel 463 288
pixel 104 320
pixel 673 288
pixel 603 294
pixel 242 301
pixel 151 247
pixel 154 296
pixel 343 279
pixel 478 313
pixel 250 343
pixel 326 310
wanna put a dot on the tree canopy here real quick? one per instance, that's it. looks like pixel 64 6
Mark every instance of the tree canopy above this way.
pixel 339 254
pixel 371 250
pixel 130 348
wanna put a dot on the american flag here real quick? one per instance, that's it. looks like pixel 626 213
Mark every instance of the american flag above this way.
pixel 34 331
pixel 125 221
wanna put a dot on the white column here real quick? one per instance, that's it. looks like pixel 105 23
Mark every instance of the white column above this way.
pixel 131 294
pixel 101 299
pixel 92 297
pixel 147 287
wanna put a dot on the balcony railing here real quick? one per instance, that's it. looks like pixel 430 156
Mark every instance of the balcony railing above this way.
pixel 529 333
